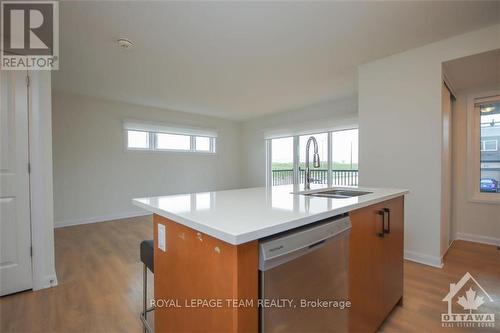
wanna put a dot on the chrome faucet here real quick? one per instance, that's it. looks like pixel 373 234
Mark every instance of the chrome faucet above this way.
pixel 307 175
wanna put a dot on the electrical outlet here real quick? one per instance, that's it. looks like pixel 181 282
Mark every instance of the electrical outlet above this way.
pixel 162 237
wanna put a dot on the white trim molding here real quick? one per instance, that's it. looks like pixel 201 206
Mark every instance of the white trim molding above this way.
pixel 478 239
pixel 102 218
pixel 42 204
pixel 47 281
pixel 448 83
pixel 269 154
pixel 423 258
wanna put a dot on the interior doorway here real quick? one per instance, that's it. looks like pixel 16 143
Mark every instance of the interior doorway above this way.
pixel 475 179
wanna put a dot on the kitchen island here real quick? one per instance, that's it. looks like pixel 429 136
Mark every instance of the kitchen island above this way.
pixel 207 253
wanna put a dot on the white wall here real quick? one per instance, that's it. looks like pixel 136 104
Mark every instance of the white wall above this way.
pixel 339 114
pixel 400 122
pixel 95 178
pixel 471 220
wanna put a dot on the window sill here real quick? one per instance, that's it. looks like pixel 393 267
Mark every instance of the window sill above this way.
pixel 485 198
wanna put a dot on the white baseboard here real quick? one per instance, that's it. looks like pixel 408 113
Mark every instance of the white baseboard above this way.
pixel 423 258
pixel 67 223
pixel 478 239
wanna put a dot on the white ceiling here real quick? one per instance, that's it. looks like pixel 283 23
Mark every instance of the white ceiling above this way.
pixel 239 60
pixel 475 72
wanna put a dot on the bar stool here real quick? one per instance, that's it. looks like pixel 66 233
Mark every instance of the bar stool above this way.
pixel 147 258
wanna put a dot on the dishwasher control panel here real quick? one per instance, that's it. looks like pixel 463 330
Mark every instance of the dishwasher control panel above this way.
pixel 300 240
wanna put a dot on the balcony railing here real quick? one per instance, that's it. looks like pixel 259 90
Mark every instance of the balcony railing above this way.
pixel 320 176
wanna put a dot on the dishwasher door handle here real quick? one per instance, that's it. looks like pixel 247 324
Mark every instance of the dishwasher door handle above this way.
pixel 317 244
pixel 288 246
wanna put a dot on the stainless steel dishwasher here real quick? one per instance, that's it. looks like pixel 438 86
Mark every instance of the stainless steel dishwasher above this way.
pixel 305 264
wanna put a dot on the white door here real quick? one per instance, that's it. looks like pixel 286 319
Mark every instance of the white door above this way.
pixel 15 225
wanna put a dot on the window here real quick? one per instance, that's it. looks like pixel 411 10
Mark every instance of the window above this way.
pixel 489 145
pixel 338 151
pixel 161 137
pixel 282 161
pixel 320 175
pixel 202 143
pixel 489 114
pixel 138 140
pixel 483 155
pixel 345 157
pixel 165 141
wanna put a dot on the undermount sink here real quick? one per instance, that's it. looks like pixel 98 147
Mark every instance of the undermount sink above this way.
pixel 338 194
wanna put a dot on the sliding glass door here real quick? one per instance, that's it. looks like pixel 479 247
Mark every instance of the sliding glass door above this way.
pixel 345 157
pixel 338 151
pixel 282 161
pixel 320 175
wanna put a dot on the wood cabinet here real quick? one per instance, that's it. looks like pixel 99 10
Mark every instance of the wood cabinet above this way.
pixel 196 267
pixel 375 263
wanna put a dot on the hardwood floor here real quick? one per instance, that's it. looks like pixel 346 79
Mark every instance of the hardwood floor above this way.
pixel 425 287
pixel 100 282
pixel 100 285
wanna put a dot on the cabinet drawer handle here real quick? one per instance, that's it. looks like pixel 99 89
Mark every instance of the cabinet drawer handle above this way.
pixel 382 214
pixel 388 229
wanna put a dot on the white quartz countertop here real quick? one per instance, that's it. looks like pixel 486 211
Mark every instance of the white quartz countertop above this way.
pixel 243 215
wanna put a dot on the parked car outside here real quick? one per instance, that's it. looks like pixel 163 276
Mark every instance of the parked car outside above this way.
pixel 489 185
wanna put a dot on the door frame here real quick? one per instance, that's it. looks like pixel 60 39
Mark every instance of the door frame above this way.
pixel 39 96
pixel 40 179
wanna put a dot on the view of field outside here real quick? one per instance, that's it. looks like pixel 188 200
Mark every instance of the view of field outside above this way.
pixel 322 140
pixel 344 151
pixel 344 158
pixel 282 153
